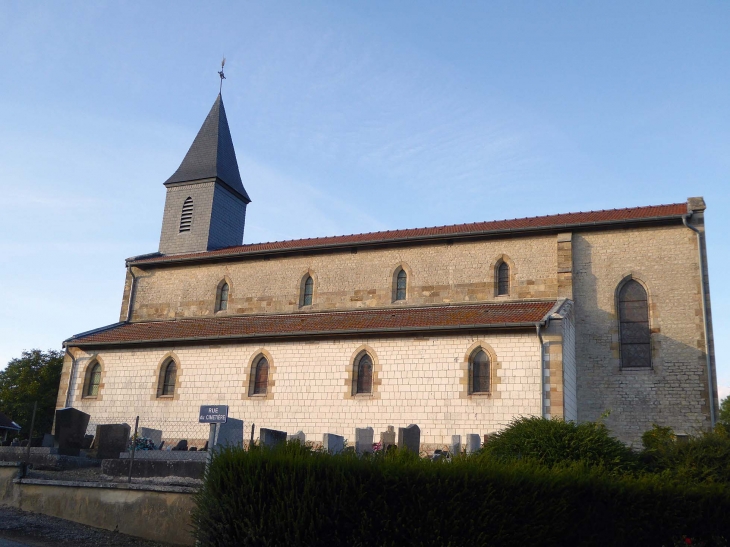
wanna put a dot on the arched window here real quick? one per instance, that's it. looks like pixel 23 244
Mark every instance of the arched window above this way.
pixel 364 374
pixel 401 282
pixel 503 279
pixel 92 387
pixel 635 336
pixel 479 372
pixel 308 290
pixel 167 379
pixel 222 303
pixel 261 377
pixel 186 218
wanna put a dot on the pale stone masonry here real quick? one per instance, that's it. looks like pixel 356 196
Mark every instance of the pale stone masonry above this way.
pixel 571 267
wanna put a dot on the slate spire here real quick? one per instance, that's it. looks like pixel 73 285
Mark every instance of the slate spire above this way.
pixel 212 156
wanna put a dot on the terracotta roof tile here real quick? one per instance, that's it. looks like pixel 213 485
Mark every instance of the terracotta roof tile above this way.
pixel 519 224
pixel 318 323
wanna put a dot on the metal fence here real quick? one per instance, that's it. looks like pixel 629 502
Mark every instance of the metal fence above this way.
pixel 155 433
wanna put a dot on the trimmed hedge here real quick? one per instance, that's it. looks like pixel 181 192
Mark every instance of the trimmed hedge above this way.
pixel 295 497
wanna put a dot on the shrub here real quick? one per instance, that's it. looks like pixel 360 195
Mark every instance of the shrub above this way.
pixel 295 497
pixel 556 442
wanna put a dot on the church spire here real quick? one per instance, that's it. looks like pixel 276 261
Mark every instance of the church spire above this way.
pixel 212 156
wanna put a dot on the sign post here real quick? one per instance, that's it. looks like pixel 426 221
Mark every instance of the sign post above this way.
pixel 213 415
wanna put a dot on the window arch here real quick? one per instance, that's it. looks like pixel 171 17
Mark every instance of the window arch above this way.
pixel 259 377
pixel 307 290
pixel 363 375
pixel 186 217
pixel 502 275
pixel 168 379
pixel 634 331
pixel 479 373
pixel 401 284
pixel 222 297
pixel 93 380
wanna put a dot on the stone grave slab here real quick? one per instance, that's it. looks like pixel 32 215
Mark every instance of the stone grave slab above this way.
pixel 111 439
pixel 230 433
pixel 410 438
pixel 155 435
pixel 364 440
pixel 473 443
pixel 333 444
pixel 387 438
pixel 298 436
pixel 455 447
pixel 48 441
pixel 71 426
pixel 271 437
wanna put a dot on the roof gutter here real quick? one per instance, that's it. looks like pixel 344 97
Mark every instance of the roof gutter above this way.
pixel 708 358
pixel 412 239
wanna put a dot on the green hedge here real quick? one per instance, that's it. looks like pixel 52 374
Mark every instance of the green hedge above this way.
pixel 294 497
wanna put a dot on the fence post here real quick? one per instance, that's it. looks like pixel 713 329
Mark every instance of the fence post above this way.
pixel 211 443
pixel 134 448
pixel 30 439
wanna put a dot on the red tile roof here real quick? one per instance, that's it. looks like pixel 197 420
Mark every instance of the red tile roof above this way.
pixel 549 222
pixel 432 318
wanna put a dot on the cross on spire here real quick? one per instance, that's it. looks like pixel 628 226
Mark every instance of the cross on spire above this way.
pixel 220 73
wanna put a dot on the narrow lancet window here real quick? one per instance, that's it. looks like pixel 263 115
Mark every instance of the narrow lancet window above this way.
pixel 186 218
pixel 401 283
pixel 169 376
pixel 223 298
pixel 635 335
pixel 503 279
pixel 92 390
pixel 364 371
pixel 261 377
pixel 308 291
pixel 480 372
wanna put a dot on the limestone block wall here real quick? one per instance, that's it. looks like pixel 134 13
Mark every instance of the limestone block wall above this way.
pixel 674 391
pixel 459 272
pixel 420 380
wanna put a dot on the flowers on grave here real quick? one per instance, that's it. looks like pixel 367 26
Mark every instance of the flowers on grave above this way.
pixel 377 447
pixel 142 443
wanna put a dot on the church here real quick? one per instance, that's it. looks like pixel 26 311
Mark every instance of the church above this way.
pixel 459 329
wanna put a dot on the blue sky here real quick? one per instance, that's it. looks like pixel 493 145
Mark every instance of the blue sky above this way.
pixel 347 117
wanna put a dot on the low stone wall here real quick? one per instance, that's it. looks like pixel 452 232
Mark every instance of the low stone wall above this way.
pixel 147 468
pixel 47 458
pixel 158 513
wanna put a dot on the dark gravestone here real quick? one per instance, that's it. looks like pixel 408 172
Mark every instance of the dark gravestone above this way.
pixel 24 443
pixel 111 439
pixel 48 441
pixel 193 449
pixel 410 438
pixel 181 445
pixel 88 441
pixel 36 442
pixel 71 427
pixel 272 437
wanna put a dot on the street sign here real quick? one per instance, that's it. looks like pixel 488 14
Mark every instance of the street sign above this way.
pixel 213 414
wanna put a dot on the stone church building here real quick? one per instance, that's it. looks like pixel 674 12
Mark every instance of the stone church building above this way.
pixel 458 329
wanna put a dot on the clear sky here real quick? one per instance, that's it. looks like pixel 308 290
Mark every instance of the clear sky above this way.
pixel 347 117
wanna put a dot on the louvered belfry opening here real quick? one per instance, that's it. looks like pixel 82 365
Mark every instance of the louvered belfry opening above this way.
pixel 503 279
pixel 261 377
pixel 480 372
pixel 186 218
pixel 364 374
pixel 634 326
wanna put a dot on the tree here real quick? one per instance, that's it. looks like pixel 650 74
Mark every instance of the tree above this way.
pixel 32 377
pixel 724 416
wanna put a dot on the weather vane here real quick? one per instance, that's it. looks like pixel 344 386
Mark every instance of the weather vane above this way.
pixel 220 73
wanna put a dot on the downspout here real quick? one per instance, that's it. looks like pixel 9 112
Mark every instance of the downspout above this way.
pixel 538 326
pixel 710 387
pixel 131 294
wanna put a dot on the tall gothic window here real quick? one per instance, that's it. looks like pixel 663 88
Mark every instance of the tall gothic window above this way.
pixel 260 377
pixel 503 279
pixel 222 303
pixel 635 336
pixel 364 374
pixel 186 218
pixel 92 388
pixel 401 281
pixel 479 372
pixel 308 291
pixel 167 380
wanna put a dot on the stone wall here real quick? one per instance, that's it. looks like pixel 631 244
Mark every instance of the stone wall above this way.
pixel 421 380
pixel 674 391
pixel 438 273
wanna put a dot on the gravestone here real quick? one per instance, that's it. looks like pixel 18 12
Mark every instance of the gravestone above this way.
pixel 71 427
pixel 193 449
pixel 271 437
pixel 363 440
pixel 15 442
pixel 455 447
pixel 24 443
pixel 473 443
pixel 88 441
pixel 230 433
pixel 387 438
pixel 298 436
pixel 410 438
pixel 182 444
pixel 111 439
pixel 155 435
pixel 333 444
pixel 36 442
pixel 48 441
pixel 486 438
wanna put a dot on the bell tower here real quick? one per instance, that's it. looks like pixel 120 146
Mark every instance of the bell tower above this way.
pixel 205 207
